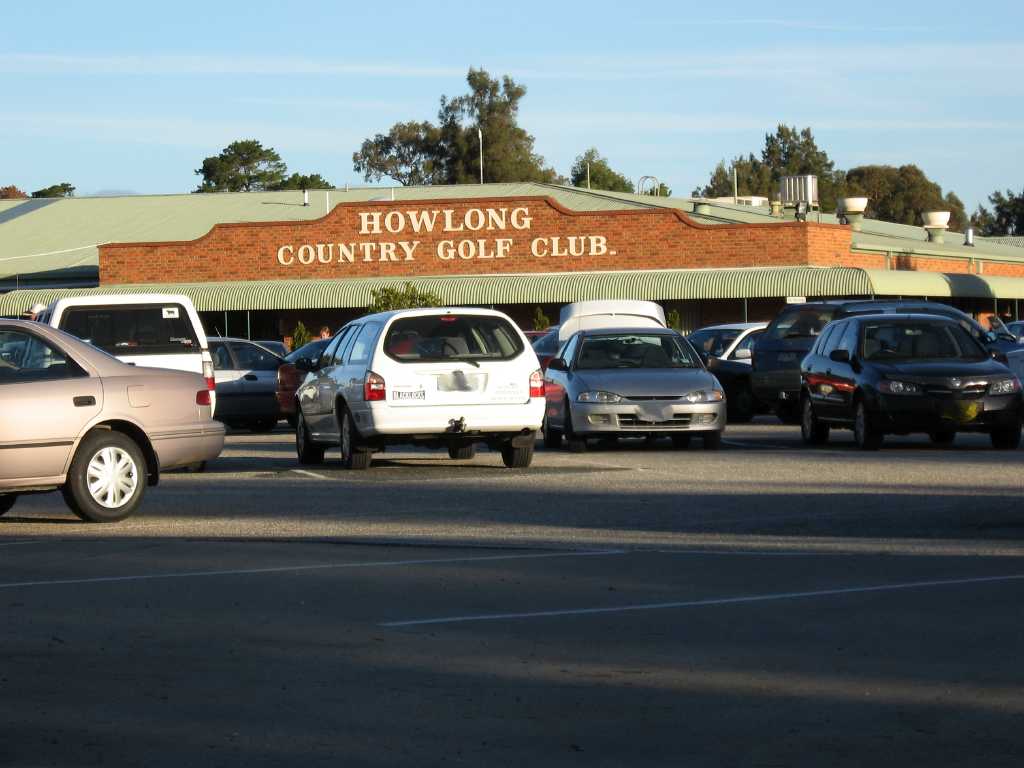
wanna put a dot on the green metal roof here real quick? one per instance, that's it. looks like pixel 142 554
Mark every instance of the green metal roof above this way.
pixel 55 241
pixel 655 285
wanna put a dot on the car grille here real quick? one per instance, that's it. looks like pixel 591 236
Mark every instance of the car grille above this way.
pixel 970 392
pixel 630 421
pixel 648 398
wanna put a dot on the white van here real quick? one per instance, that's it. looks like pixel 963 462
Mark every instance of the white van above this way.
pixel 448 378
pixel 609 313
pixel 149 330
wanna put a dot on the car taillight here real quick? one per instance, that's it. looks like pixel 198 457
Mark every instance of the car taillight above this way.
pixel 203 397
pixel 374 388
pixel 208 375
pixel 537 384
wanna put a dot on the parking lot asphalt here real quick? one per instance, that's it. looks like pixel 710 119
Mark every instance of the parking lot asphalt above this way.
pixel 766 604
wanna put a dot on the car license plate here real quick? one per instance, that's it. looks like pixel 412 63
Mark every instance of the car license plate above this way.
pixel 415 394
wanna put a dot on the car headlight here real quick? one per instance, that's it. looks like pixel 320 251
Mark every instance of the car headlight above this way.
pixel 1004 386
pixel 597 396
pixel 899 387
pixel 705 396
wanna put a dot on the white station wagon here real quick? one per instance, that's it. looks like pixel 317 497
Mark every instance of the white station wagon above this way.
pixel 437 377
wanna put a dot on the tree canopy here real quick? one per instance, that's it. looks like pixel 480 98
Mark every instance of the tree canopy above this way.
pixel 64 189
pixel 902 194
pixel 11 192
pixel 1005 218
pixel 787 152
pixel 601 174
pixel 449 152
pixel 248 166
pixel 898 194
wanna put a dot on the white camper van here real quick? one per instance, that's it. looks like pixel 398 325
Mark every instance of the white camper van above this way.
pixel 150 330
pixel 609 313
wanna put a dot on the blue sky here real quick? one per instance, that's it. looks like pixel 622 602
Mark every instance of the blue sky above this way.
pixel 132 96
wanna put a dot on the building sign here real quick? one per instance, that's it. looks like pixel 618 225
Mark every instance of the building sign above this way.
pixel 473 236
pixel 473 233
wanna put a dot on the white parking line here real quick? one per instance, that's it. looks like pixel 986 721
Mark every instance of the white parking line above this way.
pixel 317 567
pixel 307 473
pixel 701 603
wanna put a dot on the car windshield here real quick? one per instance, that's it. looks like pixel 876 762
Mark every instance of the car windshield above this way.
pixel 310 351
pixel 918 340
pixel 432 338
pixel 634 350
pixel 713 341
pixel 800 322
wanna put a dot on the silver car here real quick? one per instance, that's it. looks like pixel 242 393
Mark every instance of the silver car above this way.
pixel 631 382
pixel 76 419
pixel 246 376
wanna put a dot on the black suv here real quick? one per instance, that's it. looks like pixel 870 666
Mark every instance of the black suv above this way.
pixel 775 376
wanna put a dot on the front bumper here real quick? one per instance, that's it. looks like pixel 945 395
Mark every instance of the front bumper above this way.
pixel 897 413
pixel 647 417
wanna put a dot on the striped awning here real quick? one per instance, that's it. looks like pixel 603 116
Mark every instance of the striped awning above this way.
pixel 548 288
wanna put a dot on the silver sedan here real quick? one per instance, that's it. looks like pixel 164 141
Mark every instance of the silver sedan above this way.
pixel 76 419
pixel 631 382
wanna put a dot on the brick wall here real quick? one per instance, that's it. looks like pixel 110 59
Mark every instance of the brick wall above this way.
pixel 498 235
pixel 556 240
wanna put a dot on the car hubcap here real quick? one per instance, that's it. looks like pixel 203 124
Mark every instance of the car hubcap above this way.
pixel 112 478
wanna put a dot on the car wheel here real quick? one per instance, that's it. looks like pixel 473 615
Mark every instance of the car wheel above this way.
pixel 461 452
pixel 741 406
pixel 7 502
pixel 680 442
pixel 575 443
pixel 353 456
pixel 262 425
pixel 516 458
pixel 1007 439
pixel 943 437
pixel 307 451
pixel 552 437
pixel 712 441
pixel 865 434
pixel 107 478
pixel 812 431
pixel 196 467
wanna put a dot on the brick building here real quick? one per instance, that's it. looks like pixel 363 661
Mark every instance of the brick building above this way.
pixel 256 263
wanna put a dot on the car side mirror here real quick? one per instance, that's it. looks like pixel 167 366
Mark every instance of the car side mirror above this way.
pixel 557 364
pixel 741 354
pixel 999 356
pixel 839 356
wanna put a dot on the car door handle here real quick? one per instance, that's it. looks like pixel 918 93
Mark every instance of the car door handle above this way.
pixel 251 377
pixel 83 401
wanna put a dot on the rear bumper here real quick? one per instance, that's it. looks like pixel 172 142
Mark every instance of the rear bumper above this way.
pixel 772 386
pixel 645 418
pixel 382 420
pixel 188 445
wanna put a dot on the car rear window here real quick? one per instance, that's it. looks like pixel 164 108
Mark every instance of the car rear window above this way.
pixel 432 338
pixel 800 323
pixel 150 329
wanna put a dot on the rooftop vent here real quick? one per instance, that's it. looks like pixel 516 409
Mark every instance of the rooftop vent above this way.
pixel 798 189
